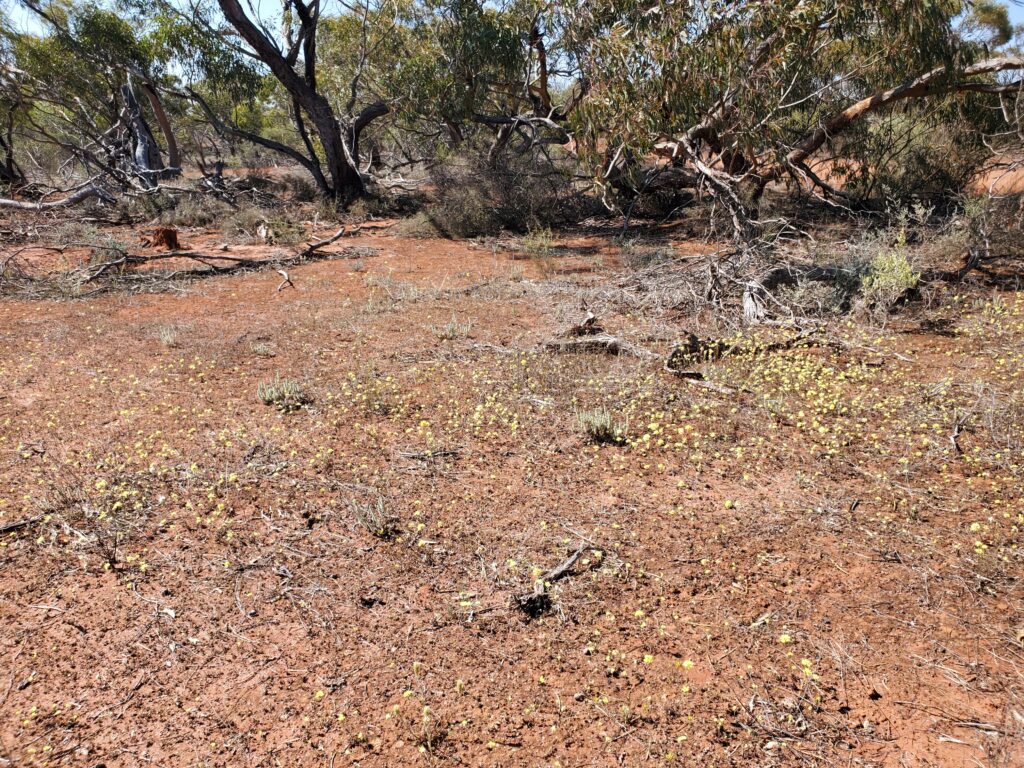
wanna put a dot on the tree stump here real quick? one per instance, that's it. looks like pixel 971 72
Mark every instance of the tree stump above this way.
pixel 161 237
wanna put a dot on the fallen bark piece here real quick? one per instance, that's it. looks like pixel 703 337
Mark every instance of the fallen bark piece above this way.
pixel 705 384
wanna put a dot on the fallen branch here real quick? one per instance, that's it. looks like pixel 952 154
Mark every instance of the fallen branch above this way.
pixel 17 525
pixel 234 263
pixel 591 326
pixel 73 199
pixel 696 379
pixel 286 283
pixel 537 602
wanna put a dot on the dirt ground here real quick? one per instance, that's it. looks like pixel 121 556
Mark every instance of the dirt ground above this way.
pixel 815 561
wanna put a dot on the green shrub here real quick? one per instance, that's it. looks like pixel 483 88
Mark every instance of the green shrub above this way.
pixel 891 276
pixel 515 193
pixel 195 212
pixel 417 225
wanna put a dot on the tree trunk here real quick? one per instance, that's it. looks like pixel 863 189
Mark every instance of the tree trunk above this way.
pixel 173 153
pixel 146 161
pixel 346 183
pixel 340 143
pixel 10 173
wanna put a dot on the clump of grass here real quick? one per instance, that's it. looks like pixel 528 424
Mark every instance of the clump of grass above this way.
pixel 539 245
pixel 539 242
pixel 257 225
pixel 601 427
pixel 379 304
pixel 168 336
pixel 106 249
pixel 375 517
pixel 636 256
pixel 74 233
pixel 262 349
pixel 286 395
pixel 452 330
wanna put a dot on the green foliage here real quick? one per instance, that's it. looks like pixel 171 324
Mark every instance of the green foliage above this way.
pixel 911 155
pixel 991 21
pixel 891 276
pixel 203 60
pixel 462 78
pixel 519 194
pixel 755 76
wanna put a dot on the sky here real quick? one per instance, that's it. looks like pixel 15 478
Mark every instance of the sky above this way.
pixel 22 19
pixel 1017 14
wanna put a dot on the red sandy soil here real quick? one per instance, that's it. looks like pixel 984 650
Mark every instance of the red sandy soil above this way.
pixel 822 568
pixel 1004 176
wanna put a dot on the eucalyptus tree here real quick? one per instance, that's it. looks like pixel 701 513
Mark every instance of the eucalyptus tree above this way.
pixel 500 68
pixel 737 95
pixel 441 70
pixel 79 77
pixel 11 105
pixel 228 44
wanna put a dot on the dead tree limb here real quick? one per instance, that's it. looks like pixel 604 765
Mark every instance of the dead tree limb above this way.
pixel 942 80
pixel 537 601
pixel 214 263
pixel 73 199
pixel 17 525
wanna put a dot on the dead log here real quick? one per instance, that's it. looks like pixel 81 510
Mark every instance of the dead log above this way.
pixel 214 263
pixel 601 343
pixel 73 199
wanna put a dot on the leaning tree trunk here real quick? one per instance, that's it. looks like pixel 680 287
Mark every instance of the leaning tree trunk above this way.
pixel 147 163
pixel 10 173
pixel 173 153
